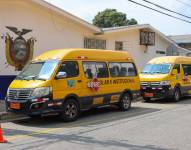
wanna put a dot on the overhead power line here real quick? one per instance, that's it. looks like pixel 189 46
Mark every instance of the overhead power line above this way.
pixel 186 4
pixel 159 11
pixel 166 9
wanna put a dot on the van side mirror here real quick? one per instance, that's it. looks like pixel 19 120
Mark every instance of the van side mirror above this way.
pixel 174 72
pixel 61 75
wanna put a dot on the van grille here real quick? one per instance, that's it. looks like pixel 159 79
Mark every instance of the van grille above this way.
pixel 150 83
pixel 19 94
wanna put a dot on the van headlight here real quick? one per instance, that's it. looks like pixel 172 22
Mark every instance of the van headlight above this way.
pixel 8 92
pixel 165 83
pixel 40 92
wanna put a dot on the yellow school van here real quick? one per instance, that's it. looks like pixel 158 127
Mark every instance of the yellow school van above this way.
pixel 67 81
pixel 166 77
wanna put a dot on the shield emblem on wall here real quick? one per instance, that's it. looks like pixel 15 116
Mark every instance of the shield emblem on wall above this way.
pixel 19 51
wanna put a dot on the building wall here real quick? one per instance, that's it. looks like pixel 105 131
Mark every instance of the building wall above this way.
pixel 53 31
pixel 50 30
pixel 131 43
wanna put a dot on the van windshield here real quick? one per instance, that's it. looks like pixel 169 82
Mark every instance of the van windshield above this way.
pixel 38 70
pixel 156 69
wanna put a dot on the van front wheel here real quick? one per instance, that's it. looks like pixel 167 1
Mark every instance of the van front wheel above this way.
pixel 177 95
pixel 146 99
pixel 125 102
pixel 70 110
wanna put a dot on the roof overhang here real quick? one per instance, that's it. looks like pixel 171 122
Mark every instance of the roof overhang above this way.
pixel 67 15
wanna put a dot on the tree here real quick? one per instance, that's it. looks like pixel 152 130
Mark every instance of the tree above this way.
pixel 132 21
pixel 112 18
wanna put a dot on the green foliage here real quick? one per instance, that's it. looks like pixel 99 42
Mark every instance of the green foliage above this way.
pixel 112 18
pixel 132 21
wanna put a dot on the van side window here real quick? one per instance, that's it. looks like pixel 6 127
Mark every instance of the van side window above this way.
pixel 177 66
pixel 71 68
pixel 95 69
pixel 127 69
pixel 90 69
pixel 114 69
pixel 187 69
pixel 102 71
pixel 122 69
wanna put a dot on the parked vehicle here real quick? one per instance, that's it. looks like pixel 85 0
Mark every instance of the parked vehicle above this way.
pixel 68 81
pixel 166 77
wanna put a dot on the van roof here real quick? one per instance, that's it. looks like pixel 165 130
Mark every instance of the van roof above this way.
pixel 88 54
pixel 170 59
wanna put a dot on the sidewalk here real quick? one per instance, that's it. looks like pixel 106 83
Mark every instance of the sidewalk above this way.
pixel 2 106
pixel 7 117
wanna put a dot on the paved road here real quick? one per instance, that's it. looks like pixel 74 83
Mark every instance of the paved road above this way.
pixel 149 126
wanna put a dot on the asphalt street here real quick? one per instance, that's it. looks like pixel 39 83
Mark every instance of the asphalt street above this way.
pixel 158 125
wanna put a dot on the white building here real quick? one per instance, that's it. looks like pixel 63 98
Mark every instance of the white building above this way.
pixel 54 28
pixel 129 39
pixel 182 40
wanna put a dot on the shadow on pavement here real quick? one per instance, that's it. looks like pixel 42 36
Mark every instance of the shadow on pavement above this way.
pixel 104 116
pixel 47 140
pixel 90 117
pixel 108 116
pixel 184 100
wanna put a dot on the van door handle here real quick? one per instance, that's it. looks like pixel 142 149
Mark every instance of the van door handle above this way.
pixel 79 80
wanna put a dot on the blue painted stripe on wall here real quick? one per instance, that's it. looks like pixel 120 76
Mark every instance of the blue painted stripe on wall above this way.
pixel 5 81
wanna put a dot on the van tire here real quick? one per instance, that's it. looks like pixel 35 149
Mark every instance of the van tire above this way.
pixel 35 116
pixel 177 94
pixel 147 99
pixel 71 110
pixel 125 102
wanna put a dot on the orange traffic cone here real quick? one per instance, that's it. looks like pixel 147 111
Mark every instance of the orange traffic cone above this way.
pixel 2 140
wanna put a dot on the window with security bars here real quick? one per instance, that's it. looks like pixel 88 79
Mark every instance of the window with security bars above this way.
pixel 118 45
pixel 94 43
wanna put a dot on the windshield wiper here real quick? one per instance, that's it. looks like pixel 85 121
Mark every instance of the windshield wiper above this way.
pixel 21 77
pixel 145 72
pixel 156 72
pixel 40 79
pixel 148 72
pixel 36 78
pixel 30 77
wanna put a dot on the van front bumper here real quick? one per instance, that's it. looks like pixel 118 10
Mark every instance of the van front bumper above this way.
pixel 157 92
pixel 31 107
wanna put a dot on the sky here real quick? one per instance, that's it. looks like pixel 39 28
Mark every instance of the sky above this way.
pixel 87 9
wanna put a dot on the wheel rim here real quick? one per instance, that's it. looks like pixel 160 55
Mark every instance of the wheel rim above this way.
pixel 177 96
pixel 71 110
pixel 126 101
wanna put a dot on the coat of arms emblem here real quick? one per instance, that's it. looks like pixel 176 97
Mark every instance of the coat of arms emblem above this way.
pixel 18 51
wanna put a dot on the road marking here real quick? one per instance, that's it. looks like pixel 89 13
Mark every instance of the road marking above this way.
pixel 34 133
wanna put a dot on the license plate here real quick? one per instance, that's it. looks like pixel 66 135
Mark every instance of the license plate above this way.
pixel 149 94
pixel 14 105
